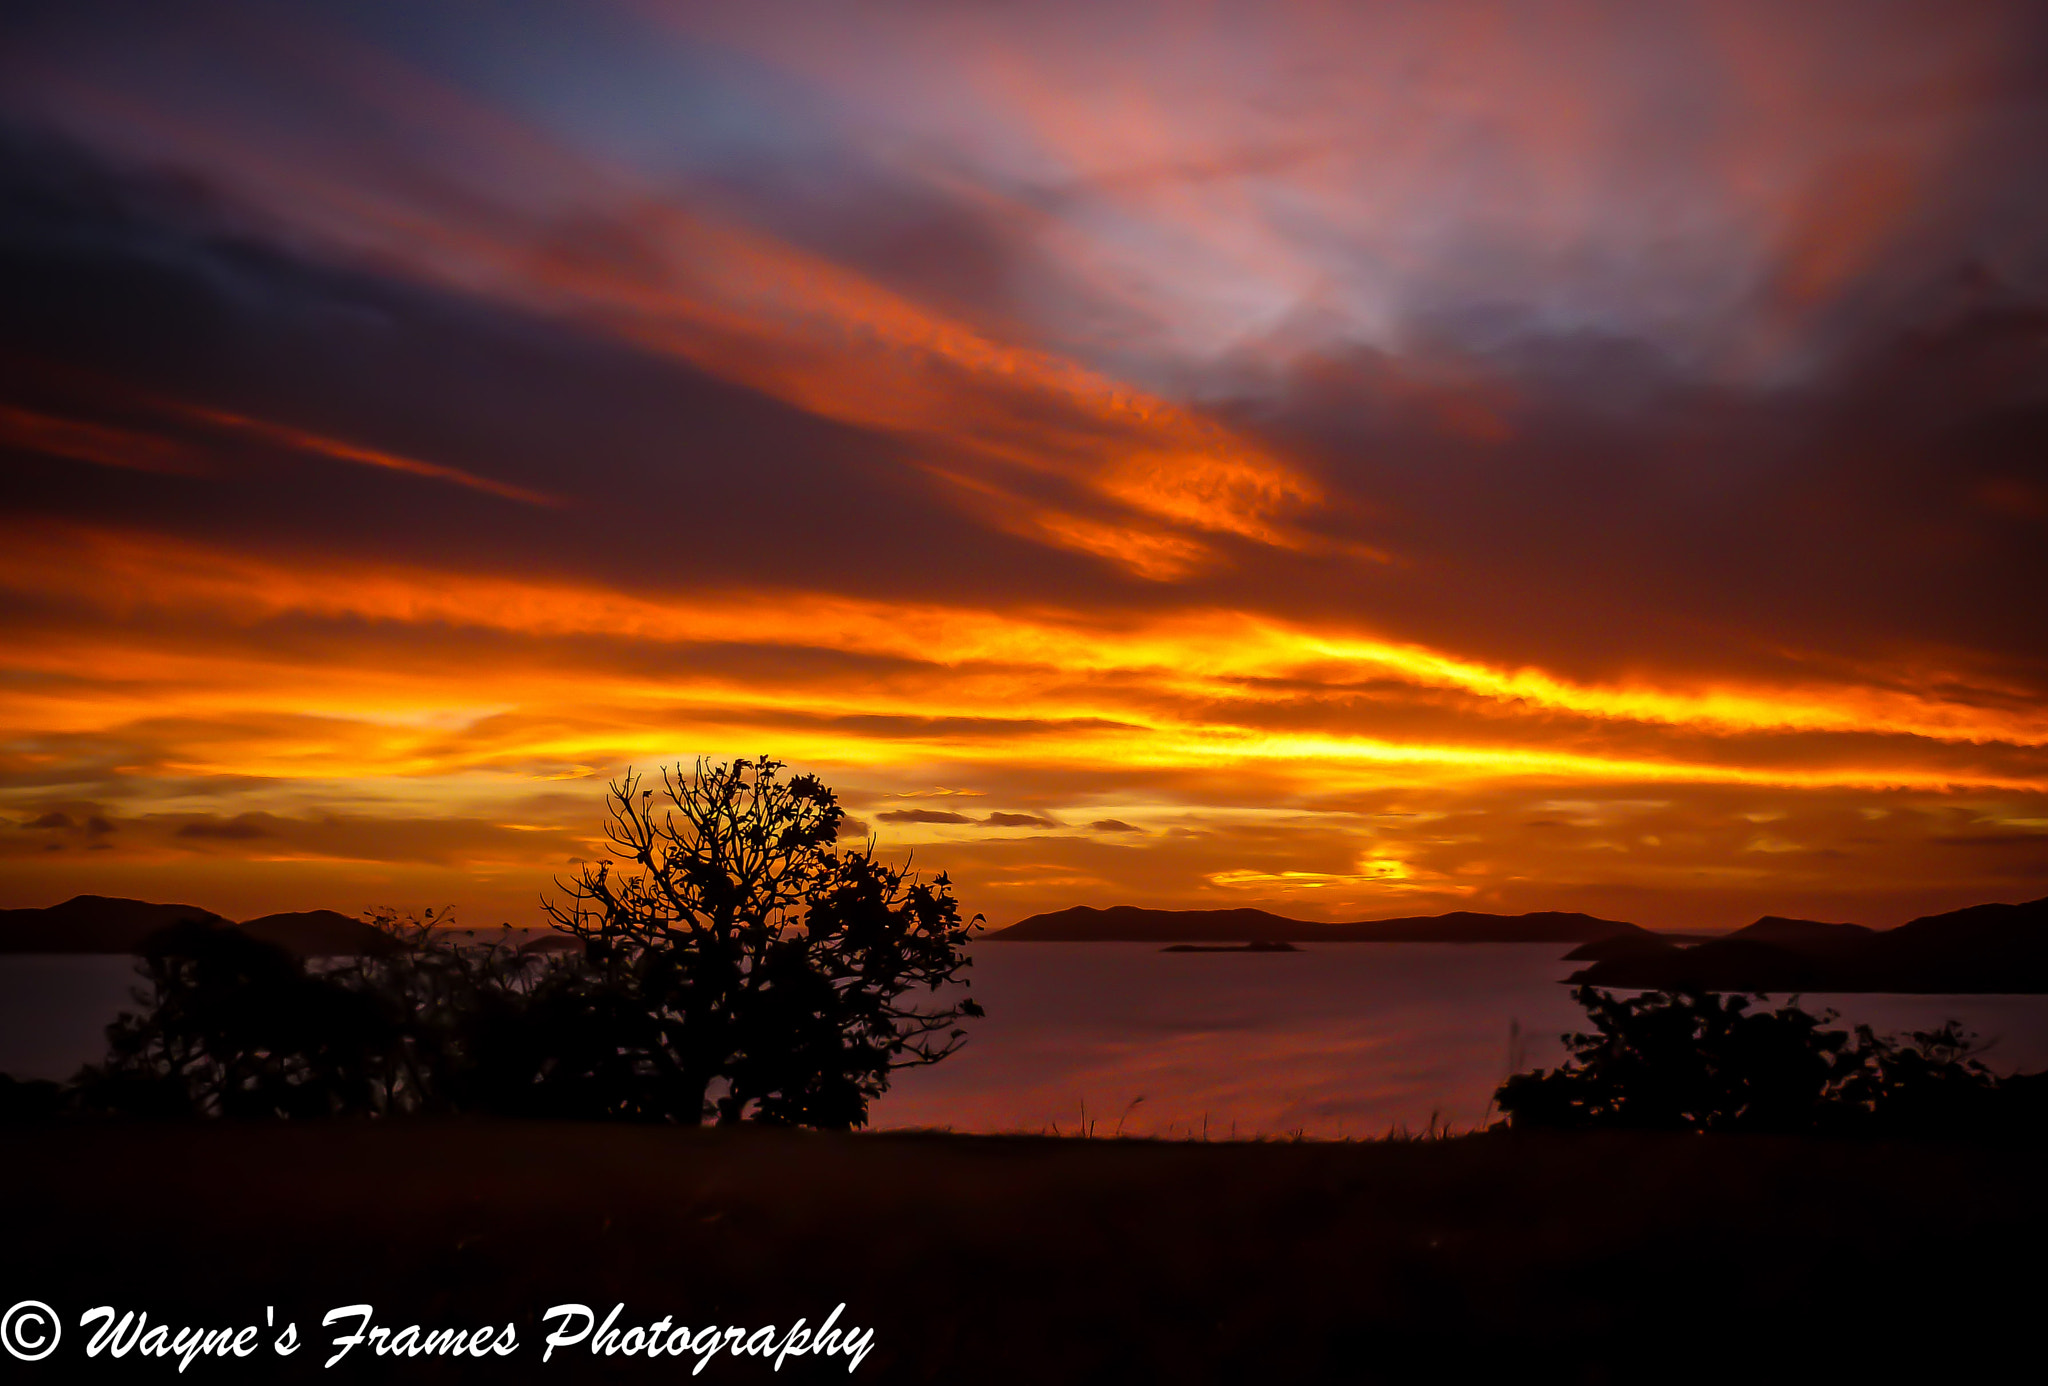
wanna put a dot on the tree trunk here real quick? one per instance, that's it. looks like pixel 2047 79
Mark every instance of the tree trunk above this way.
pixel 692 1099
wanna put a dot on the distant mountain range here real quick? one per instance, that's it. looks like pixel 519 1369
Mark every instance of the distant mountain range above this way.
pixel 1984 948
pixel 1130 924
pixel 103 924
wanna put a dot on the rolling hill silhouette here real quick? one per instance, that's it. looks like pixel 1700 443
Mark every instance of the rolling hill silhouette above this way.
pixel 1984 948
pixel 1131 924
pixel 107 924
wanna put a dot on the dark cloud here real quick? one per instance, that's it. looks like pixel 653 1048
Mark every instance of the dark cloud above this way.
pixel 241 829
pixel 1706 529
pixel 1114 825
pixel 126 291
pixel 923 816
pixel 1019 820
pixel 92 825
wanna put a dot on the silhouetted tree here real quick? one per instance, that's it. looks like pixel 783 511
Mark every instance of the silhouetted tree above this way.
pixel 463 1008
pixel 738 963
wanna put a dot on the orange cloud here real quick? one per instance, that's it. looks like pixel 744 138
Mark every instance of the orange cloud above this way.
pixel 1186 690
pixel 152 452
pixel 320 446
pixel 97 443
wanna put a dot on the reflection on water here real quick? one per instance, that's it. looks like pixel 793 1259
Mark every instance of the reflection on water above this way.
pixel 1339 1039
pixel 55 1008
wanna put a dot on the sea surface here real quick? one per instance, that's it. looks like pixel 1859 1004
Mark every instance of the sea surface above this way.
pixel 1335 1040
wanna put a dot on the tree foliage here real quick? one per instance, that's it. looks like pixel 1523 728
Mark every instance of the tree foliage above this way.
pixel 731 943
pixel 1692 1061
pixel 233 1026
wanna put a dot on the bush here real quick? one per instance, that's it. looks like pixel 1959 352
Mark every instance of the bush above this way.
pixel 233 1026
pixel 1689 1061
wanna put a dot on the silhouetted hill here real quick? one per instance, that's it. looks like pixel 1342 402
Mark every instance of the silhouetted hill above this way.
pixel 93 924
pixel 1131 924
pixel 106 924
pixel 1981 948
pixel 321 933
pixel 1984 948
pixel 552 943
pixel 1635 945
pixel 1805 935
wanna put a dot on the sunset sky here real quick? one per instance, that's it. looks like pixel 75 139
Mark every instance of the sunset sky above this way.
pixel 1355 460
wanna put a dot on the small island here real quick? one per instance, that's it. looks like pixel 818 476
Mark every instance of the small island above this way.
pixel 1257 945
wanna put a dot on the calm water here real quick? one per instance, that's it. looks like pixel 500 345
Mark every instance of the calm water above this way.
pixel 1335 1040
pixel 1341 1039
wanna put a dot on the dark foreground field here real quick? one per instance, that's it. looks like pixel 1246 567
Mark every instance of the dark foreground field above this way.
pixel 993 1260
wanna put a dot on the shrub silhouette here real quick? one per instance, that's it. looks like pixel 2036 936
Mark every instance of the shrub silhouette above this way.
pixel 237 1027
pixel 1690 1061
pixel 736 964
pixel 233 1026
